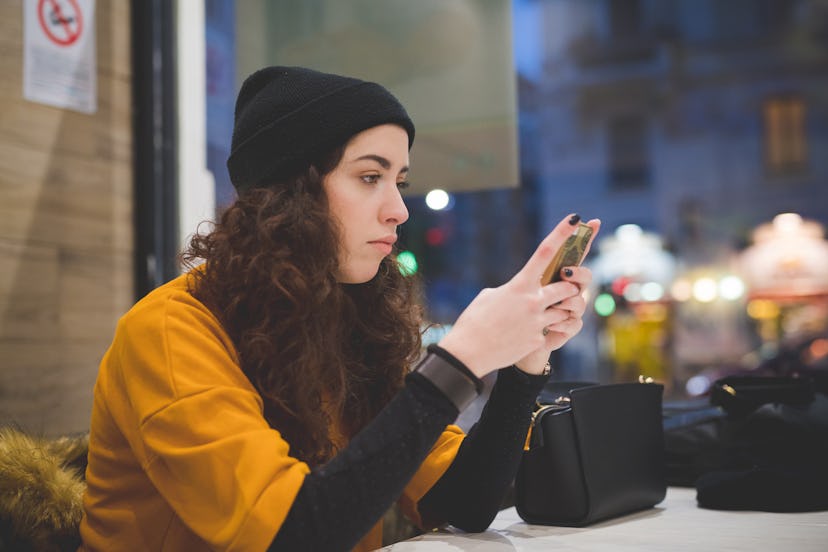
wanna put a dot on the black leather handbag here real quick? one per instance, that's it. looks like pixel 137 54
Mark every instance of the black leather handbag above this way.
pixel 594 452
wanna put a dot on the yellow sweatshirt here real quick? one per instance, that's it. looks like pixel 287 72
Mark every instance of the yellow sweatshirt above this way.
pixel 180 455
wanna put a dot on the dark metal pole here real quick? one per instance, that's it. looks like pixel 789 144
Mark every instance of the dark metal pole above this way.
pixel 154 134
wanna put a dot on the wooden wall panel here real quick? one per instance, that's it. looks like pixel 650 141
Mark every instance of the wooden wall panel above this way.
pixel 65 231
pixel 25 314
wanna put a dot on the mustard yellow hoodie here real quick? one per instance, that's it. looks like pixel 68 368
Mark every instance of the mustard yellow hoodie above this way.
pixel 180 455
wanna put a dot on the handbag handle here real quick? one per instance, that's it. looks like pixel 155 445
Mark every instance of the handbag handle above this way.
pixel 740 395
pixel 554 392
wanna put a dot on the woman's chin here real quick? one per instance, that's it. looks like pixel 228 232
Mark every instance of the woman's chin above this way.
pixel 357 276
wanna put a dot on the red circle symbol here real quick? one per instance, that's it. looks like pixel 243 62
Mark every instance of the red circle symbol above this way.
pixel 61 20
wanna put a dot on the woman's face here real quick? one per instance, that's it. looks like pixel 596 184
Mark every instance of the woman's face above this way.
pixel 364 196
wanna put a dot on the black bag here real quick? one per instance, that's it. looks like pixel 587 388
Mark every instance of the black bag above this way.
pixel 594 453
pixel 764 445
pixel 692 440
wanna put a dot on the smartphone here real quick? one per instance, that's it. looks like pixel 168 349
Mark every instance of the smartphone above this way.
pixel 571 253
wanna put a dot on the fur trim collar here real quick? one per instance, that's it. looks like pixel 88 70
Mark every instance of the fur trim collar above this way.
pixel 41 488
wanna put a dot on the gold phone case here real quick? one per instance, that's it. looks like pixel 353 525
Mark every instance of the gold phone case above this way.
pixel 571 253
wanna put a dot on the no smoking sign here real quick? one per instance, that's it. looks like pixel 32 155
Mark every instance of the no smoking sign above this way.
pixel 61 20
pixel 59 65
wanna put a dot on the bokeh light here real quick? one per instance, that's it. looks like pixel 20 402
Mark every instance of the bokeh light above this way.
pixel 407 263
pixel 604 304
pixel 705 290
pixel 437 199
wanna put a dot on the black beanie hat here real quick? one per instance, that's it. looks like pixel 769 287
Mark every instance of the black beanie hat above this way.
pixel 287 116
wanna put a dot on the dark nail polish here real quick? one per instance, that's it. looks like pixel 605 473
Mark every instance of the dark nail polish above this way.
pixel 568 272
pixel 573 220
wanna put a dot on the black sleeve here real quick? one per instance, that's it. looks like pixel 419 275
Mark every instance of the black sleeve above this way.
pixel 471 491
pixel 341 500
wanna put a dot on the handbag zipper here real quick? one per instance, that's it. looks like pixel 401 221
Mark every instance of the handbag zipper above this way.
pixel 559 404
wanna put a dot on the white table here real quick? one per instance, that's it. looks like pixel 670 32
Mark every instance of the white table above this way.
pixel 676 524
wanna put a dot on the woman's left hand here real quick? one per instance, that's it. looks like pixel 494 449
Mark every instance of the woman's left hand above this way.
pixel 570 311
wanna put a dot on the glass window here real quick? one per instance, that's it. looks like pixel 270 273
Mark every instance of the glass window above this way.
pixel 450 63
pixel 629 162
pixel 786 145
pixel 665 119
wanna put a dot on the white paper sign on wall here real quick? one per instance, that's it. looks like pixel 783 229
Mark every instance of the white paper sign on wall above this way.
pixel 59 64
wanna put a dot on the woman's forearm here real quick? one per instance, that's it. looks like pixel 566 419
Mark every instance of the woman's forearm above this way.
pixel 341 500
pixel 471 491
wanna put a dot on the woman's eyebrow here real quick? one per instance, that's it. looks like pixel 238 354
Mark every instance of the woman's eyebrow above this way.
pixel 384 163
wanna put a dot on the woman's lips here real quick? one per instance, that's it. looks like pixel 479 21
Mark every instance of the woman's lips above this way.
pixel 382 247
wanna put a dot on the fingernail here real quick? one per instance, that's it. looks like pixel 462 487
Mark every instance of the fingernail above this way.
pixel 573 220
pixel 568 272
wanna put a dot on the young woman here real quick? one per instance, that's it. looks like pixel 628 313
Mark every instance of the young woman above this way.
pixel 266 399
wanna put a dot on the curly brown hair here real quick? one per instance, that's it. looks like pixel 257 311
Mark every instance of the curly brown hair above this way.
pixel 316 350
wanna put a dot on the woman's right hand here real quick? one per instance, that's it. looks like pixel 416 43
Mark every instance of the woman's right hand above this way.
pixel 504 324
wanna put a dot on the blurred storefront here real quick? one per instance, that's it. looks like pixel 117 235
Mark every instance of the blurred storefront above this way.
pixel 687 325
pixel 632 274
pixel 786 270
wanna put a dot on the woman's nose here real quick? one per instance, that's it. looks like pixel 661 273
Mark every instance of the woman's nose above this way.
pixel 395 210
